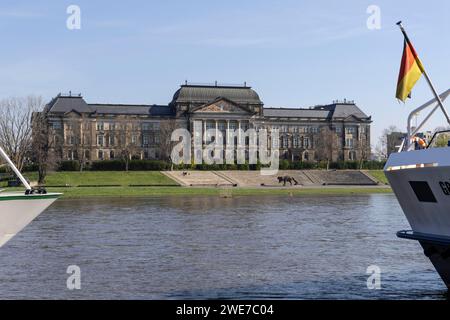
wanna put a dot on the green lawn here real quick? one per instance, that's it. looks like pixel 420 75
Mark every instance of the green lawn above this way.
pixel 154 183
pixel 379 175
pixel 104 178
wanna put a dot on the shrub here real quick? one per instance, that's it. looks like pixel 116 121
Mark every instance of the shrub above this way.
pixel 243 166
pixel 108 165
pixel 284 164
pixel 69 165
pixel 148 165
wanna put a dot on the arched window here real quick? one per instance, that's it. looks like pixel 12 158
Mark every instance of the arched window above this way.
pixel 306 156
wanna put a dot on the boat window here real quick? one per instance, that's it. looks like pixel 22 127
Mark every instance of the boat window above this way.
pixel 423 191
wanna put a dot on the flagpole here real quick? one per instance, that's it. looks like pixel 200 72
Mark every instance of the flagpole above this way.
pixel 436 95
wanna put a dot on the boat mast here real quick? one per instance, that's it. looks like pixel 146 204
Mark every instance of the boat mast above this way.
pixel 13 167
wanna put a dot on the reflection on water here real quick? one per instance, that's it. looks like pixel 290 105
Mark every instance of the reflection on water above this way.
pixel 212 247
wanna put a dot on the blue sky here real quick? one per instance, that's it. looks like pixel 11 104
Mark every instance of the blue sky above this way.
pixel 294 53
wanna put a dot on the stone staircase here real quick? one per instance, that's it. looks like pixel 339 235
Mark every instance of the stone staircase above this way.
pixel 256 179
pixel 235 178
pixel 198 178
pixel 341 177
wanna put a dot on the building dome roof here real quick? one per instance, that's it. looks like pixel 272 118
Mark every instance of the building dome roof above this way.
pixel 208 93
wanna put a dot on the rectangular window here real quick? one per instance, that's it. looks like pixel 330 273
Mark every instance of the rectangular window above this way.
pixel 146 126
pixel 350 130
pixel 210 125
pixel 145 140
pixel 306 142
pixel 349 142
pixel 100 126
pixel 133 139
pixel 222 125
pixel 100 154
pixel 112 140
pixel 296 142
pixel 100 140
pixel 423 191
pixel 56 125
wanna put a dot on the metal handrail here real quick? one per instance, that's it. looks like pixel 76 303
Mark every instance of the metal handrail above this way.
pixel 434 136
pixel 410 133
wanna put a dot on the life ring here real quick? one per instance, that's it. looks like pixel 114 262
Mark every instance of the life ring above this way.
pixel 420 141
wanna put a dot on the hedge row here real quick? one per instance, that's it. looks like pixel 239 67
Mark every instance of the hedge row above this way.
pixel 157 165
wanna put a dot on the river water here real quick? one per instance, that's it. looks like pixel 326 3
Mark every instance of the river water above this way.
pixel 305 247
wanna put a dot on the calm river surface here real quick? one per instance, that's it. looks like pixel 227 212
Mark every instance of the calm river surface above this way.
pixel 305 247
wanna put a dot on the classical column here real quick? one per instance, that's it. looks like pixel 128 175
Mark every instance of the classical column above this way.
pixel 239 132
pixel 217 131
pixel 204 132
pixel 227 132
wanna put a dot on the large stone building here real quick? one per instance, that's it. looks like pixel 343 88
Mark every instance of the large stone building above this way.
pixel 104 131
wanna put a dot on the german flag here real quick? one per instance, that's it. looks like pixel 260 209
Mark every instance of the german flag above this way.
pixel 411 69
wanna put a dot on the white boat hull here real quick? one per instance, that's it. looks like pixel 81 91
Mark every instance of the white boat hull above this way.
pixel 421 182
pixel 17 210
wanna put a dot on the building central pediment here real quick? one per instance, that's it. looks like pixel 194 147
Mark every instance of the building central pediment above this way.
pixel 221 105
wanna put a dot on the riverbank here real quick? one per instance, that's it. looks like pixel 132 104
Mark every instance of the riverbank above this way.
pixel 119 192
pixel 154 183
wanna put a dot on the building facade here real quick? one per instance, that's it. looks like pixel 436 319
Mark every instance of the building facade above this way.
pixel 80 130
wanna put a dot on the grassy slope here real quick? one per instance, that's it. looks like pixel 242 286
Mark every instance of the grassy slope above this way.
pixel 105 178
pixel 379 175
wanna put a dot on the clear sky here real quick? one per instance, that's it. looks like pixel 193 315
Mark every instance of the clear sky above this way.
pixel 294 53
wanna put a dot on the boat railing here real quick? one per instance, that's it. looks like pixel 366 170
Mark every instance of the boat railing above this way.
pixel 407 143
pixel 436 134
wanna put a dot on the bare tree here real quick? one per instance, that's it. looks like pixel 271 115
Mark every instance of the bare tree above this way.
pixel 364 152
pixel 165 143
pixel 15 127
pixel 43 144
pixel 383 140
pixel 128 145
pixel 326 145
pixel 81 136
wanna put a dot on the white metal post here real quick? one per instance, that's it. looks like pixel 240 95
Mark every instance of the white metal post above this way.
pixel 13 167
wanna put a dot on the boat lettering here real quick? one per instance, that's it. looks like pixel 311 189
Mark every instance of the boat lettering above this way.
pixel 445 186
